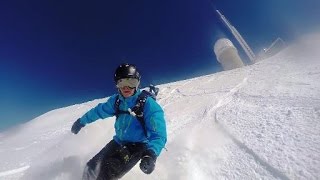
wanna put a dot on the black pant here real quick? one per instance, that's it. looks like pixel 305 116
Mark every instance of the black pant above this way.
pixel 113 161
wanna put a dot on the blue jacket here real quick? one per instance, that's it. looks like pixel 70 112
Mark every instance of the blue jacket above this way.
pixel 127 127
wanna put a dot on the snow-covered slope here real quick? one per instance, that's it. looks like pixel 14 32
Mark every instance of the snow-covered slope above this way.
pixel 257 122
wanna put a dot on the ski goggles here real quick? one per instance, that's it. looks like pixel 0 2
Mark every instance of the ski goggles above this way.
pixel 128 82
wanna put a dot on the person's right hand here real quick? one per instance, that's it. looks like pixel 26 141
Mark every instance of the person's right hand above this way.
pixel 76 127
pixel 148 162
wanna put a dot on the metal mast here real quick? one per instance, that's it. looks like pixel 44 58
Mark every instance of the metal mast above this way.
pixel 238 37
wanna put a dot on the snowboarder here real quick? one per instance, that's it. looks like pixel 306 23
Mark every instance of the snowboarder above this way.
pixel 140 133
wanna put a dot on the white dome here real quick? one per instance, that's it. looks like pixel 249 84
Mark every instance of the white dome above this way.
pixel 221 45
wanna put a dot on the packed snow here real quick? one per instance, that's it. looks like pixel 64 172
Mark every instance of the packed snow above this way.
pixel 257 122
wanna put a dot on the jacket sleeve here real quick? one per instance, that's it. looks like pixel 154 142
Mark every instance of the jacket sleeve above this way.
pixel 101 111
pixel 155 125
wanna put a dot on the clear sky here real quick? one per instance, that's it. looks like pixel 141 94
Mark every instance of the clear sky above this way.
pixel 58 53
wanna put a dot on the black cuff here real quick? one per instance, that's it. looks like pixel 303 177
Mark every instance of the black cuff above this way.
pixel 79 123
pixel 150 153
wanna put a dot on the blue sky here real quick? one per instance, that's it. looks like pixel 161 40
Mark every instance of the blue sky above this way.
pixel 59 53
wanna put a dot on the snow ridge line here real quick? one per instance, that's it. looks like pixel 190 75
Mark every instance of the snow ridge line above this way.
pixel 224 100
pixel 173 91
pixel 14 171
pixel 273 171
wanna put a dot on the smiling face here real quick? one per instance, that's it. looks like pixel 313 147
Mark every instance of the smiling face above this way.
pixel 127 91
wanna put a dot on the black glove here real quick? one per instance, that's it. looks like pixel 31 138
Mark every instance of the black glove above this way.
pixel 148 162
pixel 76 126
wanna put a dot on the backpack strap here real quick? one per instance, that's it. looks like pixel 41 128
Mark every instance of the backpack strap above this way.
pixel 137 110
pixel 117 109
pixel 153 91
